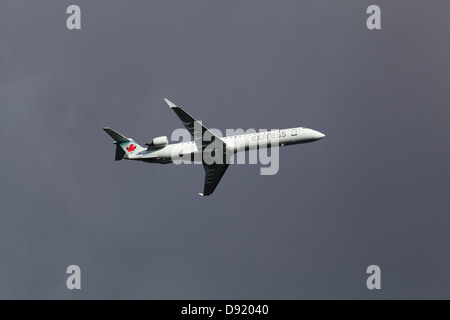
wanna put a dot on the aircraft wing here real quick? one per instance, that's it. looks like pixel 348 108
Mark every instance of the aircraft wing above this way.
pixel 191 125
pixel 215 171
pixel 213 174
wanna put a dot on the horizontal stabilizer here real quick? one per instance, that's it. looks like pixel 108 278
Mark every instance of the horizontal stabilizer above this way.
pixel 116 136
pixel 124 145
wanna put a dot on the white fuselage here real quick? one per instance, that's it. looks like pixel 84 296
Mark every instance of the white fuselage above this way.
pixel 249 141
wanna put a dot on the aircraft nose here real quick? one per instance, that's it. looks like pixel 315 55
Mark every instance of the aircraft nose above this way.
pixel 317 135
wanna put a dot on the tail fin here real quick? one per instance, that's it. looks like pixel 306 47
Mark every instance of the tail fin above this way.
pixel 123 144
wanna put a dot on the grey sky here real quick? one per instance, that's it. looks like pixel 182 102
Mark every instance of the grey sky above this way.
pixel 374 191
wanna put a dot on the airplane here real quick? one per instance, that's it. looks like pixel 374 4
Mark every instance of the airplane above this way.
pixel 203 149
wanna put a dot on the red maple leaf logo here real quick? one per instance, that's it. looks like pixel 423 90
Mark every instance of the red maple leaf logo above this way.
pixel 131 148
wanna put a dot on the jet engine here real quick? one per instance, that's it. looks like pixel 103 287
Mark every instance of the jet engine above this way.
pixel 158 142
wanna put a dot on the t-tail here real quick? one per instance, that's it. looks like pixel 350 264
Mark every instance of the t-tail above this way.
pixel 123 144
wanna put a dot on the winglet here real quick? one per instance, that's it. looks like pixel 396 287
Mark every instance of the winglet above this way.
pixel 170 103
pixel 201 194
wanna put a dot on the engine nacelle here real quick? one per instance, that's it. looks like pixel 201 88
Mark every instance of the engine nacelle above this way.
pixel 158 142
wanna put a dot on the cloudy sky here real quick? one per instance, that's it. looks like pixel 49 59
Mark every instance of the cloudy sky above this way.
pixel 374 191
